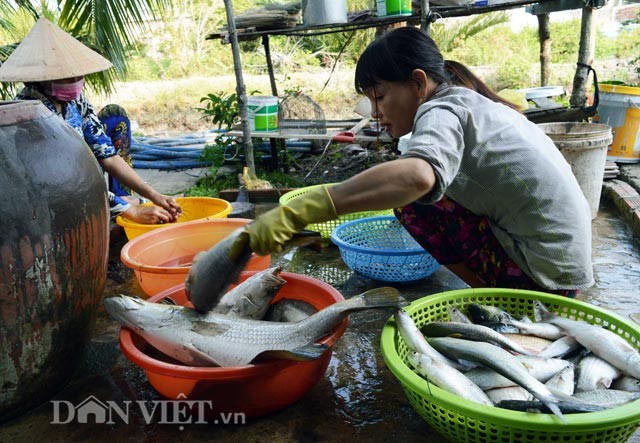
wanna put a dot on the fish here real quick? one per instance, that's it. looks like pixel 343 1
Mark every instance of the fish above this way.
pixel 214 270
pixel 502 328
pixel 568 407
pixel 447 378
pixel 595 373
pixel 471 332
pixel 210 339
pixel 541 369
pixel 607 397
pixel 252 297
pixel 485 313
pixel 538 329
pixel 416 342
pixel 561 347
pixel 602 342
pixel 455 314
pixel 626 383
pixel 532 343
pixel 499 360
pixel 290 310
pixel 563 381
pixel 508 393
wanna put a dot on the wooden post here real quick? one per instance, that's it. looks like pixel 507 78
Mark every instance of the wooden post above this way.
pixel 544 35
pixel 585 55
pixel 267 56
pixel 240 88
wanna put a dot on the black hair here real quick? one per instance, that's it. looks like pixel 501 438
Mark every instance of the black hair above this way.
pixel 460 75
pixel 395 55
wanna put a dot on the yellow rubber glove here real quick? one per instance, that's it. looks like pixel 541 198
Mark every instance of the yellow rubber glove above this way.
pixel 269 232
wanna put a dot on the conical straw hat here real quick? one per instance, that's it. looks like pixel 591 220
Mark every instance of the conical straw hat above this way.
pixel 49 53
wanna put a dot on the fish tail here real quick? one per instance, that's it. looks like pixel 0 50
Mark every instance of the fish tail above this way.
pixel 385 297
pixel 553 407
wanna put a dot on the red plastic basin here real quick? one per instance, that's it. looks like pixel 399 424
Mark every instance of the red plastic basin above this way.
pixel 255 389
pixel 161 259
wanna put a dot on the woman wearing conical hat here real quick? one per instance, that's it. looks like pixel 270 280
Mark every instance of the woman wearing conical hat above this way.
pixel 52 65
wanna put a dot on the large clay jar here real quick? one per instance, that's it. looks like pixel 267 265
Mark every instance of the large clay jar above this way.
pixel 54 242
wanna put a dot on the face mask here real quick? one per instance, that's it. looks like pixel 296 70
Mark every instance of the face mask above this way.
pixel 67 92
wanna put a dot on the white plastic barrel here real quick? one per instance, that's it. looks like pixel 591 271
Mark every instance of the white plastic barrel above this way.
pixel 584 146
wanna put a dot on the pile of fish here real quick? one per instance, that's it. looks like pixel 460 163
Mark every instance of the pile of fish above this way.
pixel 243 324
pixel 554 364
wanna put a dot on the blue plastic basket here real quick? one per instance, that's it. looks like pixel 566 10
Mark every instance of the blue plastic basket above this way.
pixel 381 249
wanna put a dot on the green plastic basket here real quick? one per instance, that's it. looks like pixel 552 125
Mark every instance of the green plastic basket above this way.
pixel 460 420
pixel 325 228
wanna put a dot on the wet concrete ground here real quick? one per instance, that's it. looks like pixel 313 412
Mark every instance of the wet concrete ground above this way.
pixel 357 400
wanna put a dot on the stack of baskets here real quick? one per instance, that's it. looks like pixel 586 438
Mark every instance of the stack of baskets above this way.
pixel 460 420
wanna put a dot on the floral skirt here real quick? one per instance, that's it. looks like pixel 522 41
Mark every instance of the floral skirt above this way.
pixel 452 234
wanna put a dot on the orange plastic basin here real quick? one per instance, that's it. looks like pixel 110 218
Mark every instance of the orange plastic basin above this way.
pixel 161 259
pixel 255 389
pixel 193 208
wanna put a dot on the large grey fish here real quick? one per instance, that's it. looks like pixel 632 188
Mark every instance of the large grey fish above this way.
pixel 471 332
pixel 447 378
pixel 416 342
pixel 499 360
pixel 595 373
pixel 606 344
pixel 217 339
pixel 252 297
pixel 213 271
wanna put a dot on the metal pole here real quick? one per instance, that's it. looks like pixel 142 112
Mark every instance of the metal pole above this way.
pixel 240 88
pixel 424 17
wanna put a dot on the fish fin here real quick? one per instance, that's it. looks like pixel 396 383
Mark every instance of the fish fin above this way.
pixel 383 297
pixel 208 328
pixel 312 351
pixel 541 310
pixel 168 301
pixel 203 358
pixel 553 407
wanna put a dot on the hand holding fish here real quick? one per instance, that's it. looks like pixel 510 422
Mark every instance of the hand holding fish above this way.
pixel 269 232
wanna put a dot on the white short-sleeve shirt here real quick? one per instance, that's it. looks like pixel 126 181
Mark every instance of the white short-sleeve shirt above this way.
pixel 496 163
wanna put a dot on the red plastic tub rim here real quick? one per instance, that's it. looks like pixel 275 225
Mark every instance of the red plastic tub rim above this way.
pixel 148 363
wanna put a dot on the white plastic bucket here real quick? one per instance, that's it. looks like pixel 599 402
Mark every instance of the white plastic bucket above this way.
pixel 620 108
pixel 262 111
pixel 387 8
pixel 324 12
pixel 584 146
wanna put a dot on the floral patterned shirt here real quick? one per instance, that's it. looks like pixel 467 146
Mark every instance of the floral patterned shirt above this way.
pixel 81 116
